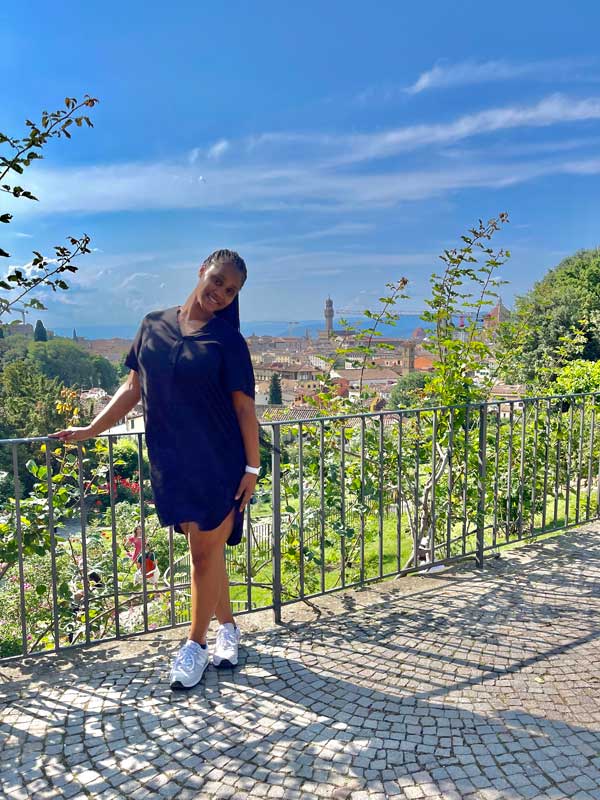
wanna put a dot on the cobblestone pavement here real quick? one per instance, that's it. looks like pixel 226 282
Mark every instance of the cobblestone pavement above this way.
pixel 463 685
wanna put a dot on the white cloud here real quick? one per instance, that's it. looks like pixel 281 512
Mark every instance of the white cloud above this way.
pixel 465 73
pixel 214 153
pixel 553 110
pixel 317 175
pixel 218 149
pixel 332 150
pixel 135 278
pixel 20 235
pixel 28 269
pixel 135 187
pixel 341 229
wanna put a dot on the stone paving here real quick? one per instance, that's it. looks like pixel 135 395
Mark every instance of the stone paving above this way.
pixel 458 685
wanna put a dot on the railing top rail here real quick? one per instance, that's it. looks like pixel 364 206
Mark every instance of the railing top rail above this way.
pixel 26 440
pixel 421 409
pixel 30 439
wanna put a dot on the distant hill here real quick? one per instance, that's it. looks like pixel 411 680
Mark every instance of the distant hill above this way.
pixel 402 330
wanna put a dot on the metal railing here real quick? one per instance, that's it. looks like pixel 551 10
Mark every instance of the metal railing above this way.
pixel 347 500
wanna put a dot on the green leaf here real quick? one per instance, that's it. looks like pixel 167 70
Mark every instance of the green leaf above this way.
pixel 32 467
pixel 41 589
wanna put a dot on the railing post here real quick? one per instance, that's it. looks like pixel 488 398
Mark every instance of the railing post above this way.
pixel 276 521
pixel 482 464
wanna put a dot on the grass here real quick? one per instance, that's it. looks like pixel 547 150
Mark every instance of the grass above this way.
pixel 390 557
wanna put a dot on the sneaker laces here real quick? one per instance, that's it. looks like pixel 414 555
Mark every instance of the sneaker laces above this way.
pixel 186 656
pixel 226 637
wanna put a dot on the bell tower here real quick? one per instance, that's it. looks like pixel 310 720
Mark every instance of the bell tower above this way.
pixel 329 316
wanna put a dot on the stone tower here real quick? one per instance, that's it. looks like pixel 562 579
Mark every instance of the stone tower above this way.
pixel 329 316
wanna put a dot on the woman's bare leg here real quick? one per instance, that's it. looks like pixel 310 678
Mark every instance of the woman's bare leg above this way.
pixel 223 610
pixel 207 568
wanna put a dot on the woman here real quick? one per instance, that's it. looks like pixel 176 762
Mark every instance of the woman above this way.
pixel 135 540
pixel 150 565
pixel 191 368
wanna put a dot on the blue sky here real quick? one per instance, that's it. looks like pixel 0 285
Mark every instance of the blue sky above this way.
pixel 336 145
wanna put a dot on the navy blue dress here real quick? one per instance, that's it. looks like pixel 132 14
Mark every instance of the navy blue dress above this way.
pixel 195 446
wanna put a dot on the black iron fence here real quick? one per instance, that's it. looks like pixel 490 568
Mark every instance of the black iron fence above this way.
pixel 346 500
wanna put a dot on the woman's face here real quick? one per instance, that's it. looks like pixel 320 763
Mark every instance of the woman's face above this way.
pixel 218 286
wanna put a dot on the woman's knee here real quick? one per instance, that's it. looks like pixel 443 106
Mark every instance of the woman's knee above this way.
pixel 205 549
pixel 205 556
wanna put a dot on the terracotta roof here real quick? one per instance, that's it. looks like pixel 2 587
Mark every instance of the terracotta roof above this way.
pixel 370 372
pixel 423 362
pixel 283 413
pixel 508 391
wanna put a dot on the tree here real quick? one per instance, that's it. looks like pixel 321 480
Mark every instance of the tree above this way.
pixel 408 392
pixel 13 348
pixel 24 152
pixel 463 285
pixel 70 363
pixel 39 334
pixel 565 302
pixel 121 368
pixel 275 398
pixel 105 374
pixel 29 400
pixel 576 377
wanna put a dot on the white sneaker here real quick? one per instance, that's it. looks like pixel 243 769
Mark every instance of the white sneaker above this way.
pixel 189 665
pixel 226 649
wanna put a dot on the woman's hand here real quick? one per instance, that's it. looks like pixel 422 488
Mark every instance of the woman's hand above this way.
pixel 73 434
pixel 246 489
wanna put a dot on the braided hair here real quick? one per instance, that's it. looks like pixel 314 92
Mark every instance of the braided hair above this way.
pixel 231 312
pixel 227 257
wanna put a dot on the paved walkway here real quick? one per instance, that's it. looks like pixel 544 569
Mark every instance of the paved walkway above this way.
pixel 459 685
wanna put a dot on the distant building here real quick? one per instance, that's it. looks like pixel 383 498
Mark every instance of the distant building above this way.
pixel 19 329
pixel 133 422
pixel 512 393
pixel 329 316
pixel 374 378
pixel 94 399
pixel 329 332
pixel 286 371
pixel 423 360
pixel 319 362
pixel 498 314
pixel 23 329
pixel 401 359
pixel 111 349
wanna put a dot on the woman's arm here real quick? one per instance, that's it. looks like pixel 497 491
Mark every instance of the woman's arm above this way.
pixel 246 415
pixel 124 399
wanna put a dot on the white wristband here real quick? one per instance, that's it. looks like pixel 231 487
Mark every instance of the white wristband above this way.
pixel 253 470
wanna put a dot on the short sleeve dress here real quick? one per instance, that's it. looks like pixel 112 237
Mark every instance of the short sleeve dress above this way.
pixel 195 446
